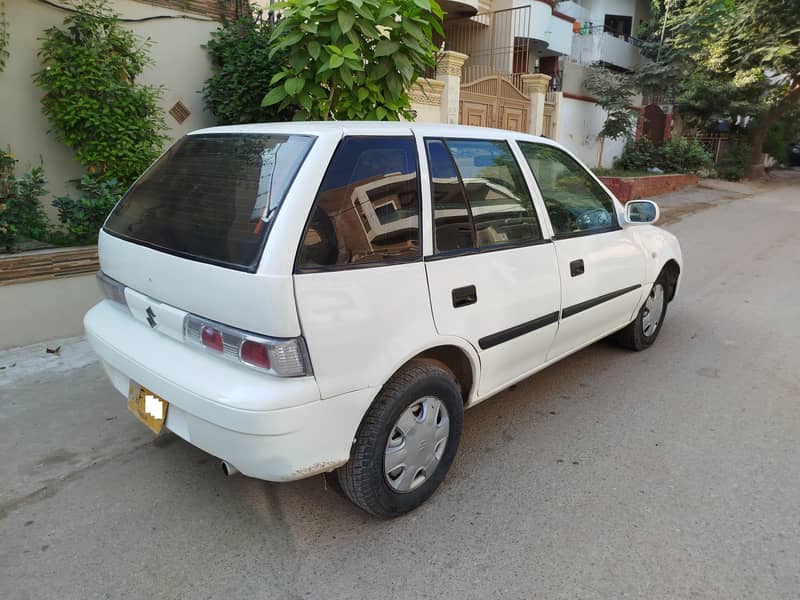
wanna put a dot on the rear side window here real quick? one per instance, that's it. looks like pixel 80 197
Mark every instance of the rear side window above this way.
pixel 576 204
pixel 367 208
pixel 480 198
pixel 212 197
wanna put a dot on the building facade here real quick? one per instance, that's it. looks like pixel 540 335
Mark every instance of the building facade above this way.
pixel 505 42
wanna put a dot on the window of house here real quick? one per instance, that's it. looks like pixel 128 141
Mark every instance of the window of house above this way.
pixel 497 197
pixel 367 208
pixel 575 202
pixel 618 25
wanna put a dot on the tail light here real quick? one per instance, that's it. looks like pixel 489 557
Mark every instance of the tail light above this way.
pixel 283 357
pixel 211 338
pixel 112 289
pixel 255 354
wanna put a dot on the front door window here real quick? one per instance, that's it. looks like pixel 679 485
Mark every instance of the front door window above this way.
pixel 576 203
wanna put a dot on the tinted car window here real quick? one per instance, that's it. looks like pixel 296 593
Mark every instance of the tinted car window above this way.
pixel 499 200
pixel 575 201
pixel 211 197
pixel 367 208
pixel 452 220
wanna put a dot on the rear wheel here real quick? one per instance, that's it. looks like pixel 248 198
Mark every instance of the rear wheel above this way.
pixel 407 441
pixel 643 331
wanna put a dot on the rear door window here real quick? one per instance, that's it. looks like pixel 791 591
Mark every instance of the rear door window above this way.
pixel 212 197
pixel 367 209
pixel 480 198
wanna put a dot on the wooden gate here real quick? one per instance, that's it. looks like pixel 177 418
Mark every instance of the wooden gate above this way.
pixel 494 102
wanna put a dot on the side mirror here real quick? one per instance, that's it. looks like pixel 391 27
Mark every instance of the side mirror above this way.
pixel 641 212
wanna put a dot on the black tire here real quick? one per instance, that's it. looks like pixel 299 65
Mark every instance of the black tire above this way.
pixel 634 336
pixel 363 479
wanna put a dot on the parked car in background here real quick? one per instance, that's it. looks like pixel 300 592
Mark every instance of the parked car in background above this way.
pixel 312 297
pixel 793 153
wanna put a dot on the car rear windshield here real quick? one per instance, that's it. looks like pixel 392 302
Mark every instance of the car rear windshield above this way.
pixel 211 197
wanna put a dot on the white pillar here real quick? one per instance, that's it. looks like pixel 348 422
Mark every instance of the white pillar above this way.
pixel 448 71
pixel 535 86
pixel 558 97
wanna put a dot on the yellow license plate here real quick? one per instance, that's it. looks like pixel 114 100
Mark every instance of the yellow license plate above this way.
pixel 148 408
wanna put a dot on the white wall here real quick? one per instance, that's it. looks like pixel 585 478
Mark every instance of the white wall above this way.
pixel 427 113
pixel 598 9
pixel 578 124
pixel 575 10
pixel 560 36
pixel 540 14
pixel 45 310
pixel 181 65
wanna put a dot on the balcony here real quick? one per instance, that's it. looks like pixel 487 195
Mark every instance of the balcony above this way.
pixel 459 8
pixel 574 10
pixel 550 30
pixel 597 45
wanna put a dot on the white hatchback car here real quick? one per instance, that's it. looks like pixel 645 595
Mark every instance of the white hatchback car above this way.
pixel 308 297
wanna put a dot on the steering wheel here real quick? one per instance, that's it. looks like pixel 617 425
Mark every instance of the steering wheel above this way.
pixel 593 219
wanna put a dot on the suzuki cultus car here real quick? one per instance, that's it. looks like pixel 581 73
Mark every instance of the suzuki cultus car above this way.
pixel 304 298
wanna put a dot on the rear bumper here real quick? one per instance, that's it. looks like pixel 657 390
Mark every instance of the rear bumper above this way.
pixel 267 427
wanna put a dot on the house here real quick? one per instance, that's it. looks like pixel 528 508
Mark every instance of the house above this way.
pixel 177 29
pixel 507 41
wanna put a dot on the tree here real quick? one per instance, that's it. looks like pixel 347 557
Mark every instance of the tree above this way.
pixel 352 59
pixel 93 101
pixel 239 53
pixel 613 92
pixel 754 46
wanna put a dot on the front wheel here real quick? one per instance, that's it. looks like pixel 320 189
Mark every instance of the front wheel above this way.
pixel 407 441
pixel 643 331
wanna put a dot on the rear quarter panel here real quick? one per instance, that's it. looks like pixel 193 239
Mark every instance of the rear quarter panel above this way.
pixel 361 324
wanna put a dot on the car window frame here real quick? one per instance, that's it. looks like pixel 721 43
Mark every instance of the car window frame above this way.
pixel 544 239
pixel 299 269
pixel 573 234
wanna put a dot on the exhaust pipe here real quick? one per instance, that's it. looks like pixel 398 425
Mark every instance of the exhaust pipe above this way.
pixel 228 469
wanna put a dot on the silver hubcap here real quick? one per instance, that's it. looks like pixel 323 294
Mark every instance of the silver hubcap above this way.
pixel 653 307
pixel 416 444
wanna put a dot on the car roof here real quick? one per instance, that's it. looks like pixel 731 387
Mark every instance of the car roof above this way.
pixel 340 128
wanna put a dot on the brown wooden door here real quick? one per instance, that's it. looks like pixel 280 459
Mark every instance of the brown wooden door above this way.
pixel 654 121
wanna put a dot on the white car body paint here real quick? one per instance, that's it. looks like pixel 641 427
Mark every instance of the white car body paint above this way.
pixel 360 325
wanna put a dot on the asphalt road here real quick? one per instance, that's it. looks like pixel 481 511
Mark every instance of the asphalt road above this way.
pixel 672 473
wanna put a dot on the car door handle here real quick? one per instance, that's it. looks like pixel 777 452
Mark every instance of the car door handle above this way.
pixel 576 267
pixel 464 296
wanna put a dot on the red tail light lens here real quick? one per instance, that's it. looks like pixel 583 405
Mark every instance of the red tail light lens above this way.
pixel 211 338
pixel 281 357
pixel 255 354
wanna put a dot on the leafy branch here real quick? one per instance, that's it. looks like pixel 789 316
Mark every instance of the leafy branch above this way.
pixel 352 59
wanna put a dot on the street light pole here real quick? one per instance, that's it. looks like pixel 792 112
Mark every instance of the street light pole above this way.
pixel 663 31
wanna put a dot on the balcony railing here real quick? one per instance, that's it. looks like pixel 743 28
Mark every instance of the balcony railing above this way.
pixel 496 43
pixel 589 29
pixel 597 44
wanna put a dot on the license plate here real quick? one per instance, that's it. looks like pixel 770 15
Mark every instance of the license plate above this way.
pixel 148 408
